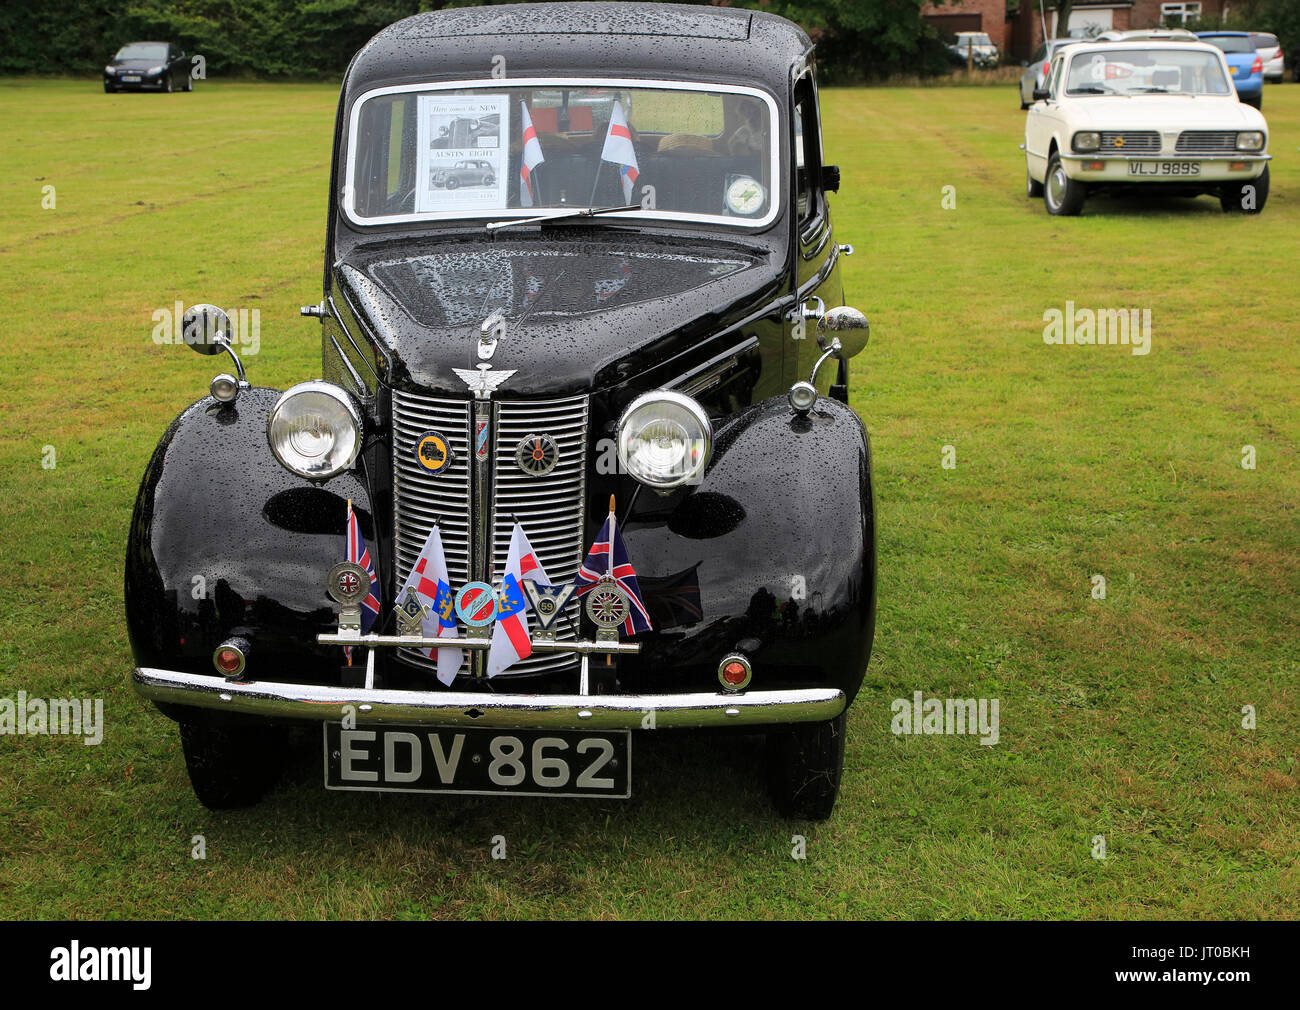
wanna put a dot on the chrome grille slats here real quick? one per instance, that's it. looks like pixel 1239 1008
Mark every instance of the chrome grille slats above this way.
pixel 550 506
pixel 1207 142
pixel 1133 142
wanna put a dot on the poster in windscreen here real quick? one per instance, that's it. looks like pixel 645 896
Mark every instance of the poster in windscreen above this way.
pixel 461 165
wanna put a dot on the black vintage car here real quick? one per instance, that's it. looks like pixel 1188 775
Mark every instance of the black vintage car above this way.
pixel 148 66
pixel 634 346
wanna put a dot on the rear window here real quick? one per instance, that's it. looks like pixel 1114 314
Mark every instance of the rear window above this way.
pixel 1264 41
pixel 1230 43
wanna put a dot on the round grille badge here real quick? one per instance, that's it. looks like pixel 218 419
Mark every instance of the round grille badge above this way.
pixel 607 604
pixel 537 454
pixel 433 452
pixel 345 582
pixel 476 604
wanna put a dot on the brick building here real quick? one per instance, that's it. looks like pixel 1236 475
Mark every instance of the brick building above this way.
pixel 1018 35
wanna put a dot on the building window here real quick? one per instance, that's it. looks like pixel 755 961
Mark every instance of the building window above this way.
pixel 1179 12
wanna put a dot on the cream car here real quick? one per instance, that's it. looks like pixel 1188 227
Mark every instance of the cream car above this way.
pixel 1147 116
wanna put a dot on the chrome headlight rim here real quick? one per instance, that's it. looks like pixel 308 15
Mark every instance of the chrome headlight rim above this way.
pixel 1242 135
pixel 1077 142
pixel 352 414
pixel 697 413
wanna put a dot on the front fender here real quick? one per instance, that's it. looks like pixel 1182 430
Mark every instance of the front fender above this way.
pixel 773 555
pixel 225 541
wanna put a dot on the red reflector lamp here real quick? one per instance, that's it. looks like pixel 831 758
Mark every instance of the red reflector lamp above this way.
pixel 734 672
pixel 230 656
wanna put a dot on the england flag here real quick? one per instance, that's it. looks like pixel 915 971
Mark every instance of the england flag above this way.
pixel 532 157
pixel 355 550
pixel 608 556
pixel 429 580
pixel 510 641
pixel 618 149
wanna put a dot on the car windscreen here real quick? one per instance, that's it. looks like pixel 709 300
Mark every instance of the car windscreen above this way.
pixel 1163 70
pixel 142 51
pixel 518 149
pixel 1231 43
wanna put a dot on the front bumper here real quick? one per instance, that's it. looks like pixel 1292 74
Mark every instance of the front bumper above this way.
pixel 464 708
pixel 1214 168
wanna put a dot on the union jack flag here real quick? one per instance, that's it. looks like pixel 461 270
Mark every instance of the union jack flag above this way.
pixel 356 551
pixel 608 555
pixel 675 599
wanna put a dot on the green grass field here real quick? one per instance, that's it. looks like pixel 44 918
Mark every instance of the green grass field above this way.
pixel 1119 717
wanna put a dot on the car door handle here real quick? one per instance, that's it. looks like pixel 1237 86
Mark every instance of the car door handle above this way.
pixel 812 308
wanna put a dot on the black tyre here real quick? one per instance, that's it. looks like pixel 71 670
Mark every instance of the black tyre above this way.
pixel 189 83
pixel 231 767
pixel 1246 197
pixel 805 763
pixel 167 85
pixel 451 182
pixel 1062 195
pixel 108 89
pixel 1033 189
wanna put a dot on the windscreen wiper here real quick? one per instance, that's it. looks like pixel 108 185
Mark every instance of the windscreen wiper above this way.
pixel 492 226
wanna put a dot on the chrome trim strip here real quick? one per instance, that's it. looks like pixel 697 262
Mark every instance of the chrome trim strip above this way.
pixel 704 376
pixel 774 168
pixel 1180 156
pixel 454 708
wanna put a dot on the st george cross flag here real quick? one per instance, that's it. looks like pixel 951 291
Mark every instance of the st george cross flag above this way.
pixel 609 555
pixel 618 149
pixel 510 641
pixel 429 580
pixel 532 157
pixel 355 550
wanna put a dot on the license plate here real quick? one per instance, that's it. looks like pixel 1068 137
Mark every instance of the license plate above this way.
pixel 522 762
pixel 132 79
pixel 1164 168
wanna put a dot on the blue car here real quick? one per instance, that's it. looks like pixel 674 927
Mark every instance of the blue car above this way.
pixel 1244 61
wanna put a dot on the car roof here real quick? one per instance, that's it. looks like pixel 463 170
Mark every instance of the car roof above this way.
pixel 1112 47
pixel 643 40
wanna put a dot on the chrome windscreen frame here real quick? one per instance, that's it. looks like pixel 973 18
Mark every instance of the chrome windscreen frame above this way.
pixel 346 197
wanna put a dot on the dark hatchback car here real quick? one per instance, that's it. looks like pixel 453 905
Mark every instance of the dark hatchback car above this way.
pixel 625 366
pixel 148 66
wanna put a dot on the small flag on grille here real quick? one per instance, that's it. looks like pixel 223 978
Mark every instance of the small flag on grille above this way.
pixel 608 555
pixel 430 581
pixel 355 550
pixel 510 640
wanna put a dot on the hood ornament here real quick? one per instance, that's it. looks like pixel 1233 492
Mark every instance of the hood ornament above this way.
pixel 492 329
pixel 483 381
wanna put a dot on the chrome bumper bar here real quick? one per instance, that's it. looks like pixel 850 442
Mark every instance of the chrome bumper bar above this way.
pixel 464 708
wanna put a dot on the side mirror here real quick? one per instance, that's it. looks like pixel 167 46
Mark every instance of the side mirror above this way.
pixel 831 178
pixel 206 329
pixel 1041 94
pixel 843 331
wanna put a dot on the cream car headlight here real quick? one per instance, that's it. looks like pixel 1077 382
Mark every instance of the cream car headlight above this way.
pixel 314 430
pixel 1252 140
pixel 664 440
pixel 1086 140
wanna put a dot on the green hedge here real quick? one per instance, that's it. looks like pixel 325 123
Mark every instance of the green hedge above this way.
pixel 857 39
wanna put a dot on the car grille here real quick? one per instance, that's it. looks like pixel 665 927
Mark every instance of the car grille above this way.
pixel 1207 142
pixel 550 506
pixel 1131 142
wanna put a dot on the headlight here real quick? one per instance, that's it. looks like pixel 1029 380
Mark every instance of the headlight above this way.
pixel 664 440
pixel 314 430
pixel 1252 141
pixel 108 70
pixel 1086 140
pixel 155 70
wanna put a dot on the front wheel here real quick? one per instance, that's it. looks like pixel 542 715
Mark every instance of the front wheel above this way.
pixel 451 183
pixel 1062 195
pixel 189 83
pixel 231 767
pixel 167 85
pixel 1246 197
pixel 805 763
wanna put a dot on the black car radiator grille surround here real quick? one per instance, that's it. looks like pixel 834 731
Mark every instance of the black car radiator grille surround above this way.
pixel 550 506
